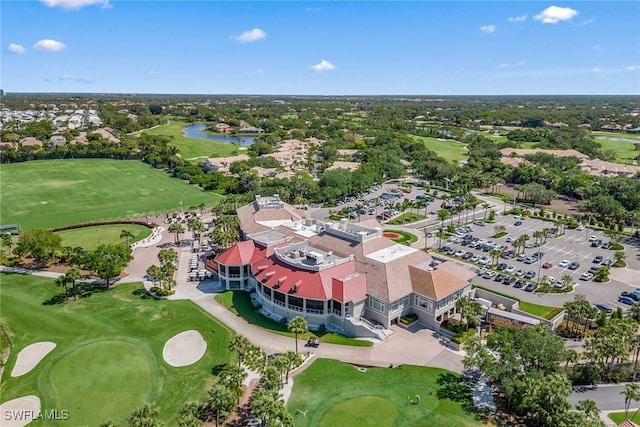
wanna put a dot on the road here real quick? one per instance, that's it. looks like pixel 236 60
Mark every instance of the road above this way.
pixel 607 397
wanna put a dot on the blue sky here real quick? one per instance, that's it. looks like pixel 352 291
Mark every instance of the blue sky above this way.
pixel 321 48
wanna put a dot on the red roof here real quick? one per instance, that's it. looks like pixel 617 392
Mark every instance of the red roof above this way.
pixel 353 288
pixel 309 284
pixel 238 254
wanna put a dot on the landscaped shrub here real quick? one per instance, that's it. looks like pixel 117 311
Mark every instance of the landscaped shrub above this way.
pixel 616 247
pixel 408 319
pixel 463 336
pixel 453 325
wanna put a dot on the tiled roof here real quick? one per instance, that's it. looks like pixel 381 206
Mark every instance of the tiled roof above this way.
pixel 238 254
pixel 437 283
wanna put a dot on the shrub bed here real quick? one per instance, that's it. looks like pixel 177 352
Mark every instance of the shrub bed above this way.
pixel 409 319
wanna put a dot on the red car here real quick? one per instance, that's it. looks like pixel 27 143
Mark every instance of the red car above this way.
pixel 547 265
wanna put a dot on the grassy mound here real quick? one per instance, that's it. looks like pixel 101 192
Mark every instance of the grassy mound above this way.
pixel 366 411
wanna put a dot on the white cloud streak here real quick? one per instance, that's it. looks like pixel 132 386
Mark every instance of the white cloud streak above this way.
pixel 75 79
pixel 521 18
pixel 323 65
pixel 556 14
pixel 488 29
pixel 252 35
pixel 48 45
pixel 16 49
pixel 76 4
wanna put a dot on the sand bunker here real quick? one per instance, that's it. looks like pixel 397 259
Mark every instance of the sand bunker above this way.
pixel 22 407
pixel 30 356
pixel 184 349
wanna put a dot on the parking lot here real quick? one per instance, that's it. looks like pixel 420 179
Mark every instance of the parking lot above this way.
pixel 572 254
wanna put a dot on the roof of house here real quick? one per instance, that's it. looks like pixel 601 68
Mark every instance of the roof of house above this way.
pixel 238 254
pixel 254 220
pixel 435 282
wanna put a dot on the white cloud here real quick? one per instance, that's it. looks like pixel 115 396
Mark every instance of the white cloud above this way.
pixel 16 49
pixel 259 71
pixel 250 35
pixel 151 73
pixel 323 65
pixel 313 9
pixel 597 46
pixel 555 14
pixel 75 4
pixel 49 45
pixel 72 78
pixel 487 29
pixel 632 67
pixel 587 22
pixel 511 64
pixel 521 18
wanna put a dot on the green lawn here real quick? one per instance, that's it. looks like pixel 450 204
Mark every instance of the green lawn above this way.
pixel 108 358
pixel 53 193
pixel 625 151
pixel 405 237
pixel 406 218
pixel 91 237
pixel 194 149
pixel 448 149
pixel 339 394
pixel 239 303
pixel 618 417
pixel 546 312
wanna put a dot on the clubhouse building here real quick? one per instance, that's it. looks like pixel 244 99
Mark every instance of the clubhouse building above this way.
pixel 340 276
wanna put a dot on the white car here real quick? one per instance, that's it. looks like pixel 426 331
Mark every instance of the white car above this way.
pixel 564 263
pixel 510 269
pixel 586 276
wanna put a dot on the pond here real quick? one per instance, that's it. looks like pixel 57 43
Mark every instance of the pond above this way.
pixel 195 131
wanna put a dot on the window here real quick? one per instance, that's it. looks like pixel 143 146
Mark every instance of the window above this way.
pixel 425 303
pixel 395 305
pixel 405 301
pixel 376 304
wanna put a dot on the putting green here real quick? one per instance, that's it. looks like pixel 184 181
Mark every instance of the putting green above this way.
pixel 361 411
pixel 100 379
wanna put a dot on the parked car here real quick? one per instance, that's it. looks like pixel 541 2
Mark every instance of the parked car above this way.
pixel 586 276
pixel 547 265
pixel 564 263
pixel 501 266
pixel 574 265
pixel 530 274
pixel 626 300
pixel 603 307
pixel 598 259
pixel 519 283
pixel 530 287
pixel 480 223
pixel 633 295
pixel 519 272
pixel 510 269
pixel 606 245
pixel 517 223
pixel 607 261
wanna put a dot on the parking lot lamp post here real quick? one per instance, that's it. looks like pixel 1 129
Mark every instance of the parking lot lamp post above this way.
pixel 539 265
pixel 586 236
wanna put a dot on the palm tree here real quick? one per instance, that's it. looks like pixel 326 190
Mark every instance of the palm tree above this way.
pixel 126 234
pixel 293 360
pixel 62 281
pixel 176 228
pixel 232 377
pixel 485 206
pixel 73 275
pixel 589 408
pixel 168 258
pixel 195 225
pixel 265 404
pixel 567 279
pixel 145 416
pixel 495 255
pixel 620 257
pixel 571 356
pixel 631 392
pixel 442 215
pixel 7 241
pixel 220 401
pixel 240 345
pixel 298 325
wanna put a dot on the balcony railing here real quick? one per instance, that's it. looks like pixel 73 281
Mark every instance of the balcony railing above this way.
pixel 294 308
pixel 314 311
